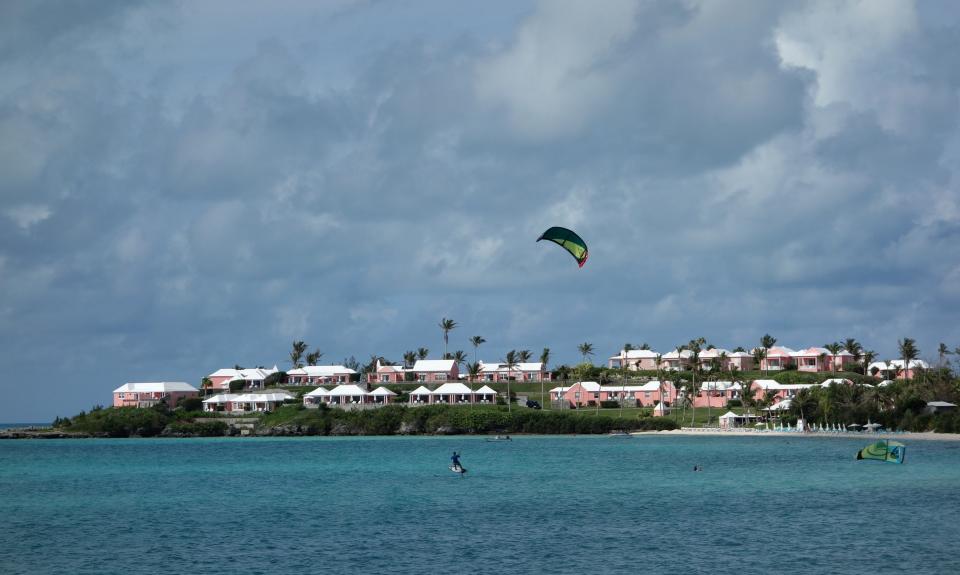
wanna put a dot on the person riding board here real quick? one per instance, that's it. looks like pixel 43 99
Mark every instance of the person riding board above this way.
pixel 455 458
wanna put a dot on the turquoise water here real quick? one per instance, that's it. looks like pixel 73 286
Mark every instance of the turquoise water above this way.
pixel 533 505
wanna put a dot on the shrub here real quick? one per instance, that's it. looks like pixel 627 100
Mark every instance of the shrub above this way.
pixel 203 428
pixel 237 385
pixel 190 404
pixel 609 404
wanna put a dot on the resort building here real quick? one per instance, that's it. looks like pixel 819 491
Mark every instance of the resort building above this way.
pixel 387 374
pixel 779 390
pixel 253 378
pixel 319 374
pixel 582 393
pixel 635 359
pixel 436 370
pixel 893 369
pixel 246 402
pixel 739 360
pixel 148 394
pixel 674 361
pixel 814 359
pixel 452 394
pixel 533 371
pixel 777 358
pixel 349 396
pixel 717 393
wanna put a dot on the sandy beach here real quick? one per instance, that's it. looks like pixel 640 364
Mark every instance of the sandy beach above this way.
pixel 906 436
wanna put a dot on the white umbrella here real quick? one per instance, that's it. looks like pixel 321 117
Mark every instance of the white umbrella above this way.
pixel 872 426
pixel 852 425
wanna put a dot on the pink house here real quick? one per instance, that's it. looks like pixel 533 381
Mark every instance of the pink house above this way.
pixel 520 372
pixel 580 394
pixel 717 393
pixel 674 361
pixel 814 359
pixel 436 370
pixel 740 360
pixel 635 359
pixel 777 358
pixel 386 374
pixel 253 378
pixel 779 390
pixel 320 374
pixel 894 368
pixel 151 393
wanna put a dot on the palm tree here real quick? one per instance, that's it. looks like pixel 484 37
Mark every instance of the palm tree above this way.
pixel 855 349
pixel 585 349
pixel 296 354
pixel 460 357
pixel 476 341
pixel 446 325
pixel 908 352
pixel 524 355
pixel 645 346
pixel 766 342
pixel 409 357
pixel 509 362
pixel 834 348
pixel 544 360
pixel 868 357
pixel 943 351
pixel 473 369
pixel 422 353
pixel 695 347
pixel 314 357
pixel 206 384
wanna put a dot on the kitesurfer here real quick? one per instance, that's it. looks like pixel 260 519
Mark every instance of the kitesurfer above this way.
pixel 455 458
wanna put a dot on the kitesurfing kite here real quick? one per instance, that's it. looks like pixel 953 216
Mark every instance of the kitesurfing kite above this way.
pixel 569 241
pixel 884 450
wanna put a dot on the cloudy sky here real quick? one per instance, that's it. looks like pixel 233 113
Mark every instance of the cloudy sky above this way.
pixel 186 186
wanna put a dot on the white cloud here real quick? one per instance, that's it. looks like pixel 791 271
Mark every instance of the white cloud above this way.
pixel 555 74
pixel 28 215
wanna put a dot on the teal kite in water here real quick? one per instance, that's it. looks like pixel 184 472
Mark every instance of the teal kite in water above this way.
pixel 568 240
pixel 884 450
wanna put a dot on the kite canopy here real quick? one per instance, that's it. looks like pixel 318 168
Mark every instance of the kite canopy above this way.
pixel 569 241
pixel 884 450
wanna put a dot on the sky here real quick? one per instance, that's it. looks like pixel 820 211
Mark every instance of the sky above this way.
pixel 186 186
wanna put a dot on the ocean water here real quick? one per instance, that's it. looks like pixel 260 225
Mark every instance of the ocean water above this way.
pixel 533 505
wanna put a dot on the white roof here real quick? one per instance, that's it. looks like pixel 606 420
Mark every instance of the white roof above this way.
pixel 252 374
pixel 321 370
pixel 686 354
pixel 381 391
pixel 443 365
pixel 528 366
pixel 222 398
pixel 421 391
pixel 712 353
pixel 637 354
pixel 837 380
pixel 812 351
pixel 940 404
pixel 488 389
pixel 451 388
pixel 273 396
pixel 648 386
pixel 720 385
pixel 589 385
pixel 739 354
pixel 320 391
pixel 729 415
pixel 347 390
pixel 780 405
pixel 767 384
pixel 155 387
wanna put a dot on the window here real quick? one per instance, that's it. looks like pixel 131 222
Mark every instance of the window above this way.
pixel 439 377
pixel 121 396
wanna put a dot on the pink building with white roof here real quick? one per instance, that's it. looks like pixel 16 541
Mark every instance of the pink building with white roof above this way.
pixel 717 393
pixel 387 374
pixel 436 370
pixel 253 378
pixel 634 359
pixel 814 359
pixel 320 374
pixel 674 361
pixel 740 360
pixel 532 371
pixel 148 394
pixel 777 358
pixel 580 394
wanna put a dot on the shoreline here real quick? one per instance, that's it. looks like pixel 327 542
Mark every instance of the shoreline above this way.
pixel 906 435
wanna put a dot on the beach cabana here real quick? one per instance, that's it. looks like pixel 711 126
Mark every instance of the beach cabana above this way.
pixel 420 395
pixel 452 393
pixel 731 420
pixel 316 397
pixel 382 395
pixel 486 394
pixel 660 410
pixel 348 394
pixel 219 402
